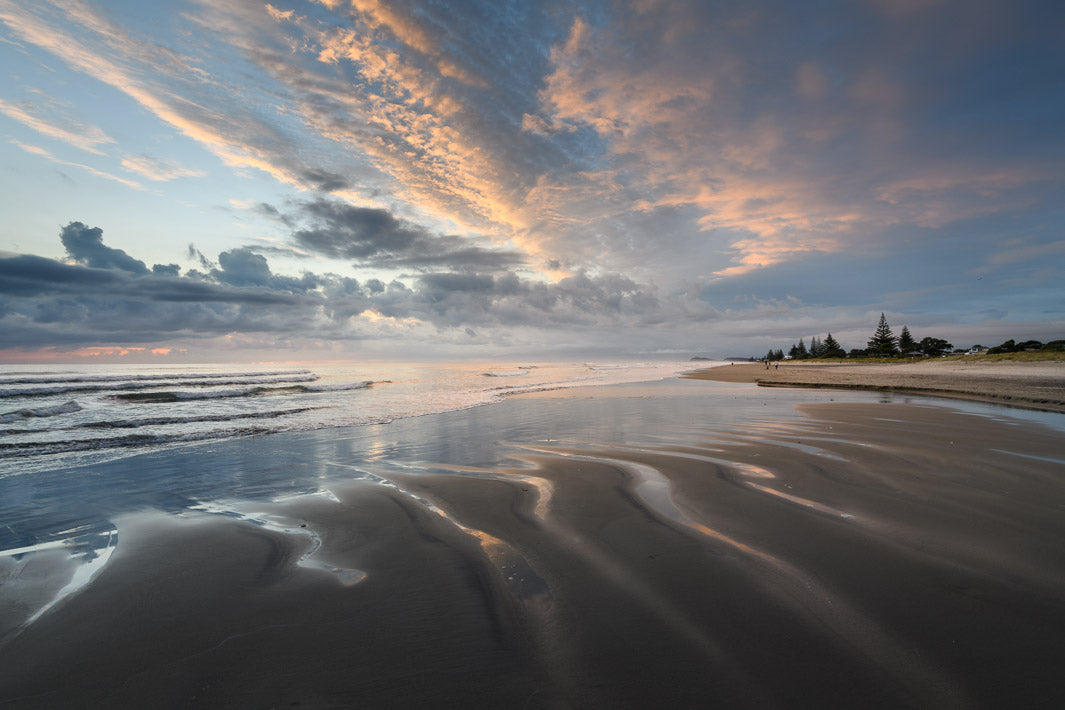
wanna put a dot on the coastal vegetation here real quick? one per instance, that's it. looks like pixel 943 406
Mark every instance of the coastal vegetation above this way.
pixel 885 345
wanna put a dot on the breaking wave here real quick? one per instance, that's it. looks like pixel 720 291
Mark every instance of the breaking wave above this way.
pixel 164 397
pixel 143 378
pixel 123 385
pixel 169 421
pixel 37 448
pixel 19 414
pixel 121 413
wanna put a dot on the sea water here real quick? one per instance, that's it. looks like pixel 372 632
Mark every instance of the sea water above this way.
pixel 71 415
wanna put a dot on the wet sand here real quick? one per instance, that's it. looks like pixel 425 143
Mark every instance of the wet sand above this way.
pixel 858 555
pixel 1031 385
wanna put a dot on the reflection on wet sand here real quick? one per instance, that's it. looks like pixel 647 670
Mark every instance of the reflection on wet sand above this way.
pixel 862 555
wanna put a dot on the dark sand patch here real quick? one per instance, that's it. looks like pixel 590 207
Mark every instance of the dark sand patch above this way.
pixel 216 613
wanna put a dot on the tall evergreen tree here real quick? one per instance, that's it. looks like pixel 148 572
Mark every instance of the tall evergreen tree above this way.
pixel 907 344
pixel 802 349
pixel 883 341
pixel 815 347
pixel 831 348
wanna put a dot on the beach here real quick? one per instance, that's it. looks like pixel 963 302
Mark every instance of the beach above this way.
pixel 1033 385
pixel 682 543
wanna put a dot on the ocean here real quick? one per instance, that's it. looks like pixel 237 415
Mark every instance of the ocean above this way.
pixel 69 416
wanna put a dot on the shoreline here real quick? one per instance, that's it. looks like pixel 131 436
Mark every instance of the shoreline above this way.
pixel 1037 385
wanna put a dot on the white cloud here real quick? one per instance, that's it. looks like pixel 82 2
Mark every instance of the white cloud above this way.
pixel 158 170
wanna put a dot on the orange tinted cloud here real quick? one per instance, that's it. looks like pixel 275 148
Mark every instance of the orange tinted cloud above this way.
pixel 416 130
pixel 119 69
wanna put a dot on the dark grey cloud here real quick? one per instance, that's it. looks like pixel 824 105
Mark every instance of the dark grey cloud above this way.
pixel 46 302
pixel 29 275
pixel 86 246
pixel 196 255
pixel 245 267
pixel 241 267
pixel 268 210
pixel 377 238
pixel 50 303
pixel 324 180
pixel 459 299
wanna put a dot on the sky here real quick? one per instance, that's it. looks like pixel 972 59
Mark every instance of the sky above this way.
pixel 200 181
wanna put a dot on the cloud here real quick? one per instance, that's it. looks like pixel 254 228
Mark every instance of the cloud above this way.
pixel 109 296
pixel 158 170
pixel 36 150
pixel 794 147
pixel 79 135
pixel 376 238
pixel 166 269
pixel 27 275
pixel 324 180
pixel 168 84
pixel 198 256
pixel 47 303
pixel 86 246
pixel 245 267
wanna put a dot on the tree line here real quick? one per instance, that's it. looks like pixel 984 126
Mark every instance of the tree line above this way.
pixel 884 343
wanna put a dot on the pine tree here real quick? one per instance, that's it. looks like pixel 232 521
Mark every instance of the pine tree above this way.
pixel 906 342
pixel 816 349
pixel 831 348
pixel 802 349
pixel 883 341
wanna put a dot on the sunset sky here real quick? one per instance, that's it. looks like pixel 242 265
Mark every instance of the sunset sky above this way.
pixel 205 179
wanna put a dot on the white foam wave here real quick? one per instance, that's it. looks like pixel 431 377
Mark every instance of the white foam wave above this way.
pixel 37 448
pixel 606 366
pixel 125 386
pixel 65 408
pixel 339 388
pixel 139 378
pixel 162 421
pixel 281 389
